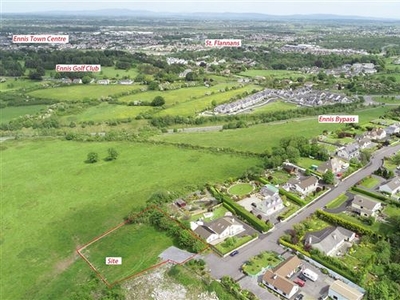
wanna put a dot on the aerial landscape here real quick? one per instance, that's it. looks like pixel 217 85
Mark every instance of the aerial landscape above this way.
pixel 197 150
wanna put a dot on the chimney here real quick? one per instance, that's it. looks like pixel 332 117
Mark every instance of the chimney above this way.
pixel 334 236
pixel 274 277
pixel 310 240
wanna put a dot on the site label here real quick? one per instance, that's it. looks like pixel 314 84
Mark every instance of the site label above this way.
pixel 337 119
pixel 113 260
pixel 78 68
pixel 223 43
pixel 40 39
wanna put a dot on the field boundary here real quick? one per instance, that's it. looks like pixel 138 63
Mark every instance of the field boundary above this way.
pixel 112 284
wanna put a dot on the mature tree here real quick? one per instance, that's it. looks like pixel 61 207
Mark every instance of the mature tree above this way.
pixel 328 177
pixel 86 79
pixel 112 154
pixel 92 157
pixel 383 251
pixel 158 101
pixel 153 86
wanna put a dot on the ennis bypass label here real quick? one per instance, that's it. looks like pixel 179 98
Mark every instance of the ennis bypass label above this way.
pixel 337 119
pixel 40 39
pixel 78 68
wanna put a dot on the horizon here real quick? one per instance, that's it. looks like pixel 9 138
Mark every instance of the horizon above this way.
pixel 381 10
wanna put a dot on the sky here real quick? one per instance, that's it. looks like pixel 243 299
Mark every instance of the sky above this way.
pixel 381 9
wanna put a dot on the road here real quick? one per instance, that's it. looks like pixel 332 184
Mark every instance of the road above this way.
pixel 230 266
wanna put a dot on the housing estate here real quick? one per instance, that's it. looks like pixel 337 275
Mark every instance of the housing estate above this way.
pixel 342 291
pixel 392 187
pixel 217 230
pixel 277 278
pixel 271 202
pixel 365 207
pixel 329 240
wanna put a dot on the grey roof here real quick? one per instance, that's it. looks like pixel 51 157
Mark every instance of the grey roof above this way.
pixel 394 183
pixel 365 202
pixel 352 148
pixel 268 190
pixel 328 238
pixel 311 180
pixel 204 231
pixel 219 225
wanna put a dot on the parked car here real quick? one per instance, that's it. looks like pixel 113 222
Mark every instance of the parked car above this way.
pixel 299 297
pixel 302 277
pixel 299 282
pixel 234 253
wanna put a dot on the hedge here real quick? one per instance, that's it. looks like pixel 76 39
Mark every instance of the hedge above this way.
pixel 294 247
pixel 263 180
pixel 368 193
pixel 292 197
pixel 331 218
pixel 241 211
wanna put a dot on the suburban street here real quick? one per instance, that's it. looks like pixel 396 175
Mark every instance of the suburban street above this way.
pixel 230 266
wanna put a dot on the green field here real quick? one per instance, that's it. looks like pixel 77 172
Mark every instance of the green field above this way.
pixel 274 106
pixel 260 137
pixel 272 73
pixel 11 84
pixel 137 244
pixel 106 111
pixel 172 97
pixel 306 162
pixel 240 189
pixel 56 203
pixel 12 112
pixel 387 99
pixel 193 107
pixel 111 72
pixel 337 202
pixel 82 92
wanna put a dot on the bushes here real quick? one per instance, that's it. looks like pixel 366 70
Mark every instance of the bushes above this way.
pixel 368 193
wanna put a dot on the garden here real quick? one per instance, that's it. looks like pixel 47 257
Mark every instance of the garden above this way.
pixel 240 189
pixel 231 243
pixel 258 263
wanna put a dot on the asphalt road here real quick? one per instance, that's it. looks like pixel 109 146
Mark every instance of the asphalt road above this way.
pixel 230 266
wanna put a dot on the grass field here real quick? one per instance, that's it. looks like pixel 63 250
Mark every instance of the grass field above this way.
pixel 335 203
pixel 388 99
pixel 272 73
pixel 106 111
pixel 259 137
pixel 12 112
pixel 111 72
pixel 11 84
pixel 306 162
pixel 369 182
pixel 177 96
pixel 193 107
pixel 56 203
pixel 240 189
pixel 263 260
pixel 274 106
pixel 82 92
pixel 137 244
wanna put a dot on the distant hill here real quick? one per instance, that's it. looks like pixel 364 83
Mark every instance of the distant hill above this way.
pixel 202 15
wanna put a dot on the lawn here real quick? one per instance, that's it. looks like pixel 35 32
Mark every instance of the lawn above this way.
pixel 238 241
pixel 260 137
pixel 389 165
pixel 337 202
pixel 137 244
pixel 111 72
pixel 378 227
pixel 306 162
pixel 217 213
pixel 263 260
pixel 106 111
pixel 387 99
pixel 82 92
pixel 369 182
pixel 56 202
pixel 241 189
pixel 279 177
pixel 12 112
pixel 14 84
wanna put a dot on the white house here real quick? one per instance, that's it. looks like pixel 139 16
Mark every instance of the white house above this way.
pixel 218 229
pixel 103 81
pixel 392 187
pixel 334 164
pixel 303 186
pixel 392 129
pixel 342 291
pixel 125 81
pixel 348 152
pixel 277 278
pixel 271 202
pixel 365 207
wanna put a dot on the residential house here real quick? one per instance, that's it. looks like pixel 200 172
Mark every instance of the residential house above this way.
pixel 218 229
pixel 277 278
pixel 271 203
pixel 392 129
pixel 376 134
pixel 348 152
pixel 392 187
pixel 103 81
pixel 334 164
pixel 303 186
pixel 329 240
pixel 77 81
pixel 291 169
pixel 66 80
pixel 365 207
pixel 180 203
pixel 125 81
pixel 342 291
pixel 364 143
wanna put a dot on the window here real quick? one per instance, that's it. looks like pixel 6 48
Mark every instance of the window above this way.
pixel 334 297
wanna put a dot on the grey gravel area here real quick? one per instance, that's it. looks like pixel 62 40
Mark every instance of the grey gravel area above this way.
pixel 175 254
